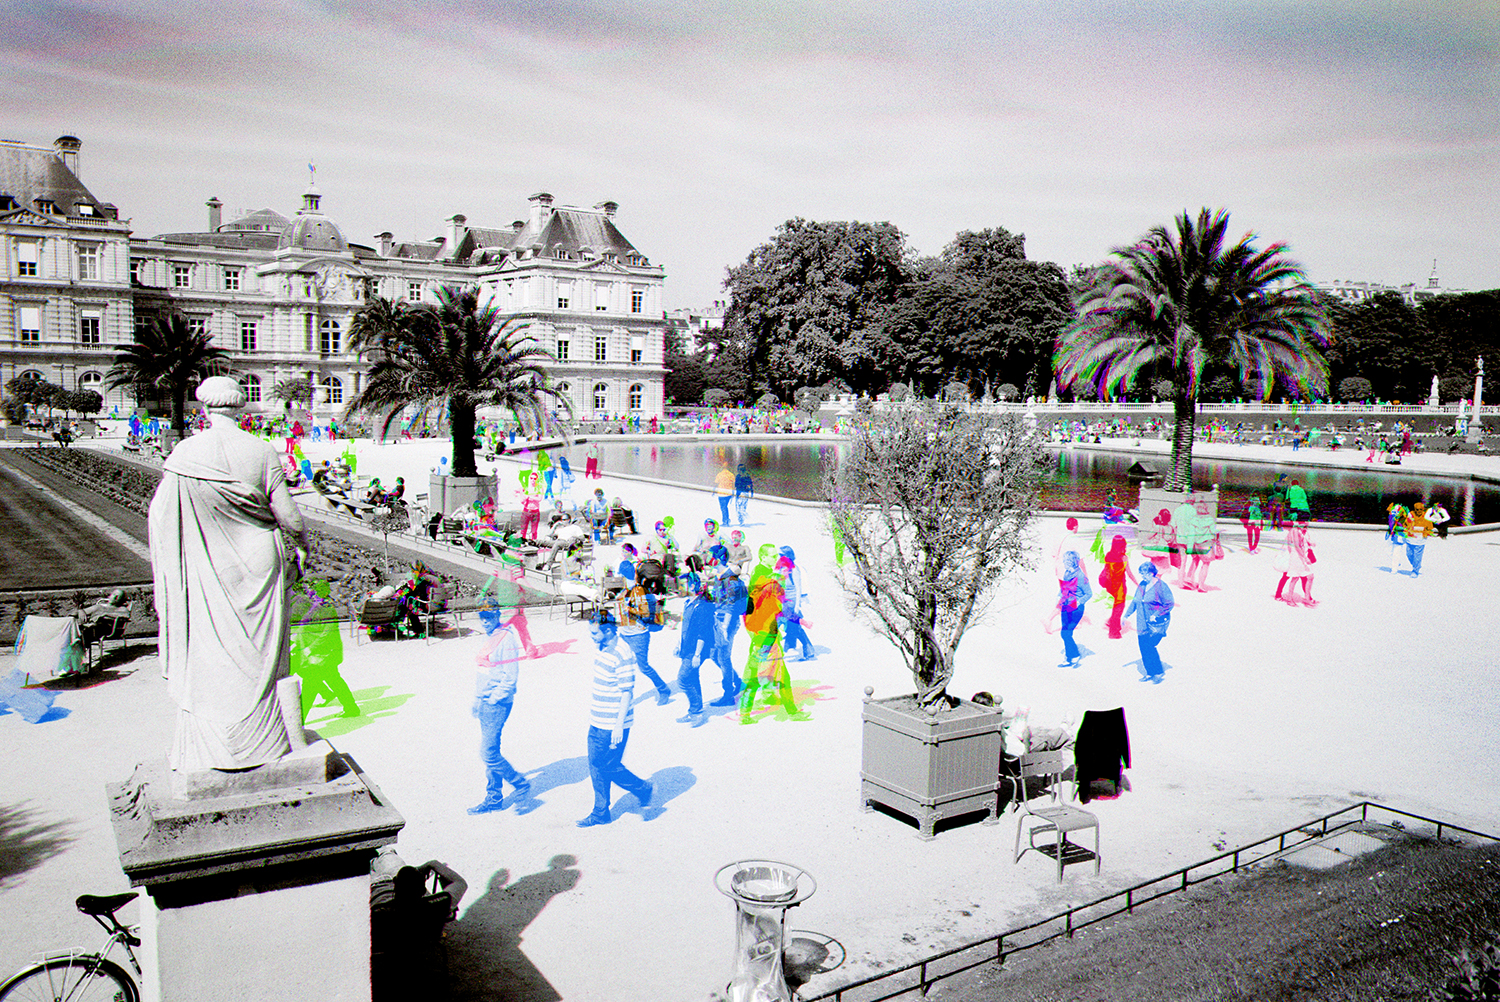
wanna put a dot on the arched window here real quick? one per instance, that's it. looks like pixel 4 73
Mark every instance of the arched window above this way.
pixel 90 381
pixel 601 396
pixel 251 386
pixel 329 337
pixel 30 374
pixel 636 392
pixel 335 387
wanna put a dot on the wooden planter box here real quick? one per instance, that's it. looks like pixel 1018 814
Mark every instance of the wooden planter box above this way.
pixel 930 768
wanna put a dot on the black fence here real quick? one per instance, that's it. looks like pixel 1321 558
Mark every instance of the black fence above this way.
pixel 921 975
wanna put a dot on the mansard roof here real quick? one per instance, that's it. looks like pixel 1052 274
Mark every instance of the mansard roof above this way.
pixel 231 240
pixel 28 173
pixel 574 230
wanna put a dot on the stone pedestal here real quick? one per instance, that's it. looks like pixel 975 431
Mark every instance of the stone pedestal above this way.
pixel 258 883
pixel 1154 534
pixel 444 493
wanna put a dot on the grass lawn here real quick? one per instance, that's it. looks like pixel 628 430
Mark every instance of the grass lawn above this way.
pixel 1382 926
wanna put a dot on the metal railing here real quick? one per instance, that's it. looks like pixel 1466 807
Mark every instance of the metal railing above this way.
pixel 921 975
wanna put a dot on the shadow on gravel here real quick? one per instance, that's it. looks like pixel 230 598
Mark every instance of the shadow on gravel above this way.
pixel 485 960
pixel 25 841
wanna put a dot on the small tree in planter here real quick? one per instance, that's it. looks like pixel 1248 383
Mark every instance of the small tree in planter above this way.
pixel 386 519
pixel 931 507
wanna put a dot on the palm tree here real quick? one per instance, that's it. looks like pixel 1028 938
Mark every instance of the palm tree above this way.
pixel 455 352
pixel 1176 303
pixel 168 357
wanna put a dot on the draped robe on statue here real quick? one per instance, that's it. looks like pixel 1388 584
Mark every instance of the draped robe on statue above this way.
pixel 219 564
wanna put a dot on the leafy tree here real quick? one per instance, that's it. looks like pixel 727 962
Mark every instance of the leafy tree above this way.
pixel 683 383
pixel 455 352
pixel 33 392
pixel 170 358
pixel 1183 300
pixel 1162 389
pixel 386 519
pixel 1354 389
pixel 931 505
pixel 1462 326
pixel 294 390
pixel 808 399
pixel 715 397
pixel 1219 388
pixel 1007 392
pixel 809 305
pixel 768 402
pixel 1385 340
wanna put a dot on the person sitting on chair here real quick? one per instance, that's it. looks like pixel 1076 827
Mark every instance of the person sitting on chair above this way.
pixel 98 618
pixel 623 516
pixel 375 493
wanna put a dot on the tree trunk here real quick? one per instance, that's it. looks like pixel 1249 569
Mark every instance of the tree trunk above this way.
pixel 461 423
pixel 179 412
pixel 1186 413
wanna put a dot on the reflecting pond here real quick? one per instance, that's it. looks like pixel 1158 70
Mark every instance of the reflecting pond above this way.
pixel 1079 480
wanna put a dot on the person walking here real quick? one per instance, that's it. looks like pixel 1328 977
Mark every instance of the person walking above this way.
pixel 729 596
pixel 744 490
pixel 1296 565
pixel 494 696
pixel 1152 606
pixel 724 491
pixel 1075 591
pixel 794 605
pixel 640 616
pixel 763 624
pixel 591 462
pixel 1395 514
pixel 610 717
pixel 1113 580
pixel 1255 521
pixel 697 641
pixel 1418 529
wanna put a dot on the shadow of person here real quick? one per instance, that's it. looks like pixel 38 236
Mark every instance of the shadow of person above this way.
pixel 485 959
pixel 666 784
pixel 563 772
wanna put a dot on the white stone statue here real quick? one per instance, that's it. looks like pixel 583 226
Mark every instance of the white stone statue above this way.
pixel 221 574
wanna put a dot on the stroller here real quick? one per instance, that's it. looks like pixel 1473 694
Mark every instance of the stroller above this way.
pixel 653 576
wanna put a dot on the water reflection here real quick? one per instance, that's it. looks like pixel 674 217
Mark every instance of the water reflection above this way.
pixel 1078 481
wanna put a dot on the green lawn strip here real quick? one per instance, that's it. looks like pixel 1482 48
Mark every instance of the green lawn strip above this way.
pixel 1383 926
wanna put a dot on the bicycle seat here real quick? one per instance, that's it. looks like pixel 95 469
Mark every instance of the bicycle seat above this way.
pixel 92 904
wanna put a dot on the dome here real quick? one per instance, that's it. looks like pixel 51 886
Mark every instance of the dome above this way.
pixel 259 221
pixel 313 231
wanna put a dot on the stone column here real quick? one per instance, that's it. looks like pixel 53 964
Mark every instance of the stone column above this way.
pixel 258 882
pixel 1476 423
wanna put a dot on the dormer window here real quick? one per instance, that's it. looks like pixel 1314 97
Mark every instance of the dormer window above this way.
pixel 47 206
pixel 7 203
pixel 85 209
pixel 560 254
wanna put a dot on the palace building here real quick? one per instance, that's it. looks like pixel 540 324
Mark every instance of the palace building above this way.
pixel 278 292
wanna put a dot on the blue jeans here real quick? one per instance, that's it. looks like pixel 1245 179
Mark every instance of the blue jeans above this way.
pixel 492 717
pixel 697 647
pixel 548 475
pixel 724 507
pixel 1070 619
pixel 1414 556
pixel 726 625
pixel 606 768
pixel 1150 660
pixel 640 645
pixel 794 635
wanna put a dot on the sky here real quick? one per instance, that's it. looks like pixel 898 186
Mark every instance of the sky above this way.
pixel 1365 134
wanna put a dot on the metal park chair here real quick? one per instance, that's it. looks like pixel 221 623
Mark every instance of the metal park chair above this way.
pixel 1057 820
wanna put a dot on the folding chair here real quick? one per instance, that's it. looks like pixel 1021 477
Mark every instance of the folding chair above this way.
pixel 1059 819
pixel 434 605
pixel 378 612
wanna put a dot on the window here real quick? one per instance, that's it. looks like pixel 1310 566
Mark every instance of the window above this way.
pixel 636 392
pixel 30 375
pixel 251 386
pixel 47 206
pixel 88 329
pixel 88 262
pixel 562 350
pixel 564 295
pixel 231 280
pixel 637 348
pixel 601 348
pixel 601 297
pixel 414 291
pixel 136 264
pixel 637 300
pixel 26 258
pixel 197 326
pixel 182 276
pixel 142 325
pixel 84 209
pixel 31 324
pixel 90 381
pixel 329 336
pixel 601 396
pixel 335 387
pixel 307 323
pixel 247 335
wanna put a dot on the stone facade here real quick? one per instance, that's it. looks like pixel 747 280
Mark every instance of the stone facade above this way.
pixel 278 293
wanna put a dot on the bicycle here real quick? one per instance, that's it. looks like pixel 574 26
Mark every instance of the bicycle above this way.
pixel 83 977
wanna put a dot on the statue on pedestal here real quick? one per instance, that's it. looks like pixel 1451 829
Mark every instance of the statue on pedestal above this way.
pixel 220 573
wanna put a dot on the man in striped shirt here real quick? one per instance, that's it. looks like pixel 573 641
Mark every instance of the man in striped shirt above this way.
pixel 610 717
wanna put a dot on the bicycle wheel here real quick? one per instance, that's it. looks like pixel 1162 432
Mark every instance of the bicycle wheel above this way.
pixel 71 979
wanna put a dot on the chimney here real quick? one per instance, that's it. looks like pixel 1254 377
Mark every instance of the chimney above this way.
pixel 518 225
pixel 541 209
pixel 455 228
pixel 111 211
pixel 67 151
pixel 215 214
pixel 608 208
pixel 385 243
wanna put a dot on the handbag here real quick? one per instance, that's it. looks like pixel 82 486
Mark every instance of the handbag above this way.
pixel 1218 552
